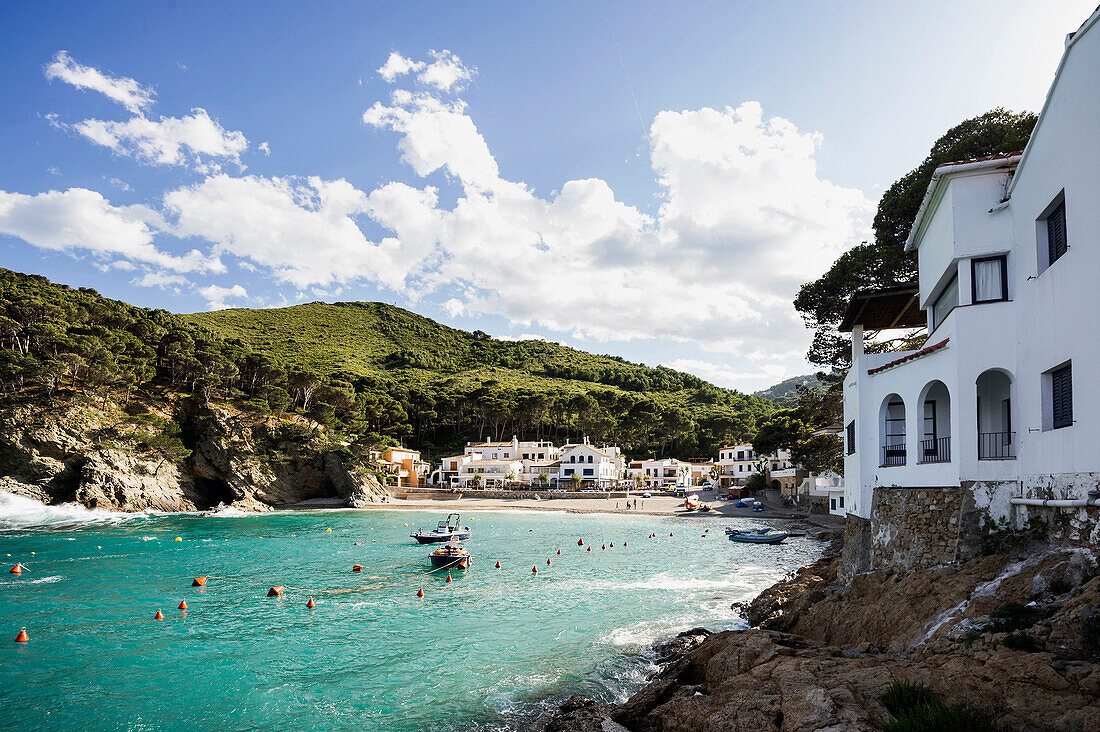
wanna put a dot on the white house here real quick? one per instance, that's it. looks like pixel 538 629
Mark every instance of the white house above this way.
pixel 1001 403
pixel 666 473
pixel 593 466
pixel 736 463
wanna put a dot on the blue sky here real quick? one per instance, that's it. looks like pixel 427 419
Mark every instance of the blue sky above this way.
pixel 647 179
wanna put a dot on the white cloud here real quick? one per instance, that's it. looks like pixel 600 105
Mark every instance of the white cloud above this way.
pixel 397 65
pixel 80 220
pixel 727 375
pixel 159 279
pixel 303 231
pixel 195 139
pixel 446 71
pixel 123 90
pixel 265 148
pixel 216 295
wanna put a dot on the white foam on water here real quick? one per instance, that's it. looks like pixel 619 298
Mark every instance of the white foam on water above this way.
pixel 224 511
pixel 46 580
pixel 20 512
pixel 148 538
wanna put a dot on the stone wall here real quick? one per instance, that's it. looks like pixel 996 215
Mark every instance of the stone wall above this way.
pixel 855 555
pixel 916 528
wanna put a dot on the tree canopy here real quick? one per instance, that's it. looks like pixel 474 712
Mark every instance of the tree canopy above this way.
pixel 883 261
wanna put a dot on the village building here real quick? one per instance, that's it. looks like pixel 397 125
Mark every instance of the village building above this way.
pixel 666 473
pixel 735 464
pixel 404 466
pixel 993 418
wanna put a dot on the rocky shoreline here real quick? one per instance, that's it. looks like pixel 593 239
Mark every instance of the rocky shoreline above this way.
pixel 1012 639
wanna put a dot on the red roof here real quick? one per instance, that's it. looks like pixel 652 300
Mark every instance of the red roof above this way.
pixel 915 354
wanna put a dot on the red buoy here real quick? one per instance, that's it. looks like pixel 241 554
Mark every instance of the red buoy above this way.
pixel 704 535
pixel 449 577
pixel 603 546
pixel 670 533
pixel 17 569
pixel 589 548
pixel 310 603
pixel 199 582
pixel 612 545
pixel 559 551
pixel 276 591
pixel 624 543
pixel 357 568
pixel 22 637
pixel 498 565
pixel 535 570
pixel 580 542
pixel 183 604
pixel 420 592
pixel 548 561
pixel 158 616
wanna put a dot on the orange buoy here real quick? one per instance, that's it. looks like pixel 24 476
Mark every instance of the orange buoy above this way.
pixel 183 604
pixel 358 543
pixel 357 568
pixel 535 570
pixel 449 577
pixel 548 561
pixel 199 582
pixel 624 543
pixel 276 591
pixel 589 548
pixel 310 603
pixel 158 616
pixel 17 569
pixel 580 542
pixel 603 546
pixel 22 637
pixel 559 551
pixel 420 592
pixel 498 565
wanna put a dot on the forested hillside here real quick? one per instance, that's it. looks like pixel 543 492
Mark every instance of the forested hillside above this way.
pixel 369 371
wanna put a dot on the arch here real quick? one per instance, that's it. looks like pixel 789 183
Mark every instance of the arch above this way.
pixel 891 431
pixel 776 485
pixel 993 395
pixel 934 436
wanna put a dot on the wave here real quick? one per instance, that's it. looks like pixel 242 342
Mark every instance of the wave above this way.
pixel 20 512
pixel 224 511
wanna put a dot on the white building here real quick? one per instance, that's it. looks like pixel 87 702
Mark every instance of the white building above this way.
pixel 666 473
pixel 598 467
pixel 1002 403
pixel 736 463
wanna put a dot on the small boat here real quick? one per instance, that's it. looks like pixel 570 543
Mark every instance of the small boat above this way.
pixel 691 503
pixel 450 556
pixel 756 536
pixel 705 508
pixel 443 532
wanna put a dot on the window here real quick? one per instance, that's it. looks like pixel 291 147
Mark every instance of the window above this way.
pixel 1061 390
pixel 851 437
pixel 589 458
pixel 740 454
pixel 842 501
pixel 832 504
pixel 588 471
pixel 930 432
pixel 946 302
pixel 568 471
pixel 1056 233
pixel 989 279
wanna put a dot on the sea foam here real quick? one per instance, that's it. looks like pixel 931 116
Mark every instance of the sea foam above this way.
pixel 20 512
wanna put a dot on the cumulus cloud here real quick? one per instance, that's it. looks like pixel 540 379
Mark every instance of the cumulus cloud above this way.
pixel 159 279
pixel 724 374
pixel 195 139
pixel 121 89
pixel 82 221
pixel 446 71
pixel 216 295
pixel 302 231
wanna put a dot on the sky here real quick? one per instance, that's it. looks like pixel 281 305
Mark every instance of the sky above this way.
pixel 648 179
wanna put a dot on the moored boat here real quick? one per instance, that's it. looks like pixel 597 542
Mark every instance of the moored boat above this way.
pixel 756 536
pixel 445 531
pixel 450 556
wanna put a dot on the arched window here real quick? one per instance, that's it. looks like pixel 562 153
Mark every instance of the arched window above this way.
pixel 892 431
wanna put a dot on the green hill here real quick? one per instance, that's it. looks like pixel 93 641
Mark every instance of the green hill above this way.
pixel 365 370
pixel 785 393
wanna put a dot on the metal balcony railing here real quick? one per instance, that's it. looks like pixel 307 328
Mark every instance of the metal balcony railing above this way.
pixel 996 445
pixel 935 451
pixel 892 455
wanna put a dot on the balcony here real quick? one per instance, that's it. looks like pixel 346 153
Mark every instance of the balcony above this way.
pixel 936 450
pixel 996 445
pixel 892 456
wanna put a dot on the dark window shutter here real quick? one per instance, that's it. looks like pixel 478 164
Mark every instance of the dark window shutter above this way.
pixel 851 437
pixel 1056 233
pixel 1061 382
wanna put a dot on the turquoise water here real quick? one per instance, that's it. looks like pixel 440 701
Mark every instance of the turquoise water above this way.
pixel 486 651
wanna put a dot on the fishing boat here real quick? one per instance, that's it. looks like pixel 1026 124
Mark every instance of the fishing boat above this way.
pixel 691 503
pixel 756 536
pixel 445 531
pixel 450 556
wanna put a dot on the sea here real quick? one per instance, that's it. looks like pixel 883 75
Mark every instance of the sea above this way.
pixel 492 649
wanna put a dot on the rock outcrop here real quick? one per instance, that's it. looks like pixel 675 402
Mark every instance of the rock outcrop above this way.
pixel 103 457
pixel 1015 639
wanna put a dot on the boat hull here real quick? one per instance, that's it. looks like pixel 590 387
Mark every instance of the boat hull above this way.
pixel 450 561
pixel 758 538
pixel 431 537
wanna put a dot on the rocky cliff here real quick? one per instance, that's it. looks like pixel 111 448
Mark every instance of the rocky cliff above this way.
pixel 1004 642
pixel 170 454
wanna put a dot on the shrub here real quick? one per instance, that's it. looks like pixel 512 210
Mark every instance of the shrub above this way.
pixel 1090 632
pixel 1012 616
pixel 1060 587
pixel 901 696
pixel 916 708
pixel 1020 641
